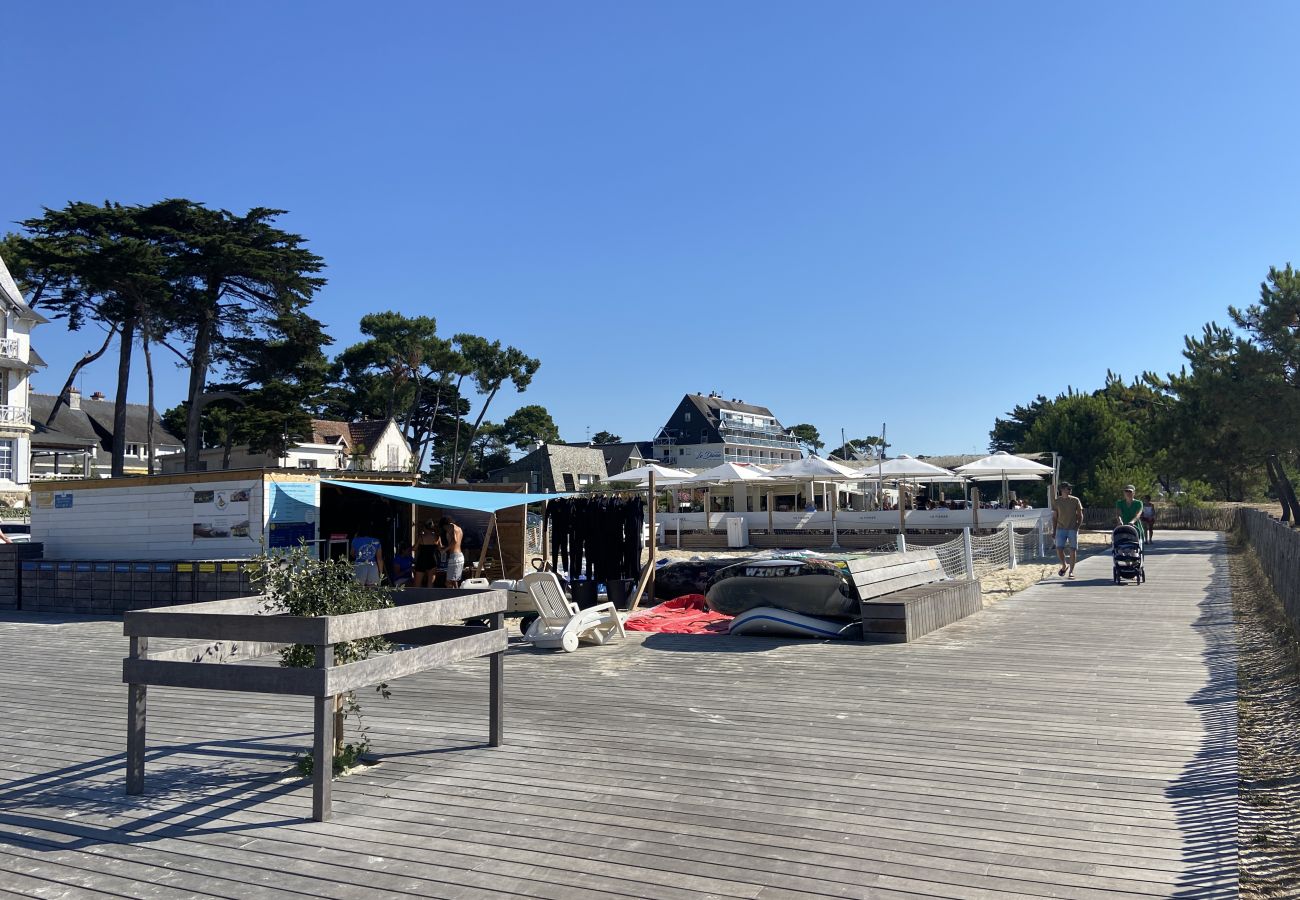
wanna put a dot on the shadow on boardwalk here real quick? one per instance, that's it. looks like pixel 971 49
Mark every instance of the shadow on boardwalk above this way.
pixel 1204 796
pixel 180 798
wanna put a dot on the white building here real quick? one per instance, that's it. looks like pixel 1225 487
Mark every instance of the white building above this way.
pixel 17 362
pixel 706 430
pixel 373 445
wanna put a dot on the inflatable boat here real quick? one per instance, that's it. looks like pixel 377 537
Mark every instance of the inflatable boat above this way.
pixel 690 576
pixel 811 587
pixel 768 621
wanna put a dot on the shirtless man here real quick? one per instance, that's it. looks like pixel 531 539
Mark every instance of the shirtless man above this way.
pixel 451 538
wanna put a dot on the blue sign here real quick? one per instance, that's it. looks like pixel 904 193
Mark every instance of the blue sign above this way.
pixel 63 501
pixel 289 534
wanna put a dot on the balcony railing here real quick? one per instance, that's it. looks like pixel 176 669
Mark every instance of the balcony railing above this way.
pixel 9 348
pixel 15 415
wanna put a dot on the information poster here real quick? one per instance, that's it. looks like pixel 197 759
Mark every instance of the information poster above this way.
pixel 221 514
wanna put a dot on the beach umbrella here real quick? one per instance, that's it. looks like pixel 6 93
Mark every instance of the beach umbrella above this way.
pixel 1005 467
pixel 730 472
pixel 641 475
pixel 813 467
pixel 906 468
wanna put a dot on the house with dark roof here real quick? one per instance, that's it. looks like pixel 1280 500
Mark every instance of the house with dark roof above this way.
pixel 622 456
pixel 706 430
pixel 17 361
pixel 78 442
pixel 555 467
pixel 371 445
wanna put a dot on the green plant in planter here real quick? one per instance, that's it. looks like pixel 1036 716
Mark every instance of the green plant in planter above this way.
pixel 299 584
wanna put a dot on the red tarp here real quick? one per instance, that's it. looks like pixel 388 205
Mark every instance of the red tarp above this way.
pixel 688 614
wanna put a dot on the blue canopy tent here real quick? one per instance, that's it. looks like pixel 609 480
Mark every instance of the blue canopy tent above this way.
pixel 480 501
pixel 490 502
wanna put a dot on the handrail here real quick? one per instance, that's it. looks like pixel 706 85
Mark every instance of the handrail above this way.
pixel 243 628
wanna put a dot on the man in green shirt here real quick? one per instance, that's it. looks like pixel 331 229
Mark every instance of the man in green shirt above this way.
pixel 1067 516
pixel 1130 511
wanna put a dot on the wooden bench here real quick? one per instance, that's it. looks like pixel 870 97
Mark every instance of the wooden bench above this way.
pixel 906 595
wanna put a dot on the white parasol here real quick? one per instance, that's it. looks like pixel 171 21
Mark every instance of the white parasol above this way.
pixel 641 475
pixel 1005 467
pixel 730 472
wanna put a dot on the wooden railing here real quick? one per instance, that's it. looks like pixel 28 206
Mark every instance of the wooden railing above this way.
pixel 242 629
pixel 1277 547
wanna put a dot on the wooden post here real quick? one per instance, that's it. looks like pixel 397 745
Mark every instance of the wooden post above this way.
pixel 322 772
pixel 482 553
pixel 770 529
pixel 496 687
pixel 654 501
pixel 975 506
pixel 135 723
pixel 546 548
pixel 501 548
pixel 640 589
pixel 967 553
pixel 708 501
pixel 902 511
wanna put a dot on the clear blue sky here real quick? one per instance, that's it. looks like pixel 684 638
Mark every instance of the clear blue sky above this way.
pixel 850 212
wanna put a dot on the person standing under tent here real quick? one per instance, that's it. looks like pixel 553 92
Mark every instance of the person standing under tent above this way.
pixel 452 534
pixel 1067 517
pixel 367 559
pixel 1130 511
pixel 428 546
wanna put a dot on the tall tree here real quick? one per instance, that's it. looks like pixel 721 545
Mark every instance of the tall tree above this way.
pixel 527 426
pixel 1009 433
pixel 102 264
pixel 605 437
pixel 491 367
pixel 234 275
pixel 807 436
pixel 403 370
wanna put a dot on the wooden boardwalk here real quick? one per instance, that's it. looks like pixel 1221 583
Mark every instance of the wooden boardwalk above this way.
pixel 1076 740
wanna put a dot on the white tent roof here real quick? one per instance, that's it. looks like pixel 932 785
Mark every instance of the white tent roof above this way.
pixel 813 467
pixel 642 475
pixel 904 466
pixel 1003 463
pixel 730 472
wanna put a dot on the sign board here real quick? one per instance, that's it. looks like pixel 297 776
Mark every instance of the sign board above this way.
pixel 63 501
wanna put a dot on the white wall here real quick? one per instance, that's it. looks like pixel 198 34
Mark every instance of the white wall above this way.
pixel 144 521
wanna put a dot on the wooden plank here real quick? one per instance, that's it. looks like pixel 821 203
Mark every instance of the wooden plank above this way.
pixel 366 672
pixel 228 677
pixel 459 605
pixel 163 623
pixel 863 564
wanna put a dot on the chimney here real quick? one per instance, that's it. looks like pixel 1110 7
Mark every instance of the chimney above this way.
pixel 98 395
pixel 74 398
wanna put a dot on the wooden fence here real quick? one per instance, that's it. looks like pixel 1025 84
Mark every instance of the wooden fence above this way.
pixel 236 631
pixel 1277 547
pixel 1170 518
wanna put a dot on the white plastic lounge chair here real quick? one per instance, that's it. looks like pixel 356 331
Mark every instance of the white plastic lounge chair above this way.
pixel 560 623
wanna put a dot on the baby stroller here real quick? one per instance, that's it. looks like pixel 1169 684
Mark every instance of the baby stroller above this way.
pixel 1126 551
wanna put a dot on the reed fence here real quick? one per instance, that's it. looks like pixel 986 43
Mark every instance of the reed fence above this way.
pixel 1277 547
pixel 1170 518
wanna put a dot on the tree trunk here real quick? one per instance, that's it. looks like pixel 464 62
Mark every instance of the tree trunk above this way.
pixel 148 427
pixel 117 467
pixel 72 376
pixel 1288 491
pixel 1277 489
pixel 200 359
pixel 469 441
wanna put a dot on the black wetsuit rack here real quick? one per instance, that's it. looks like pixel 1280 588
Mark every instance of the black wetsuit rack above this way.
pixel 598 536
